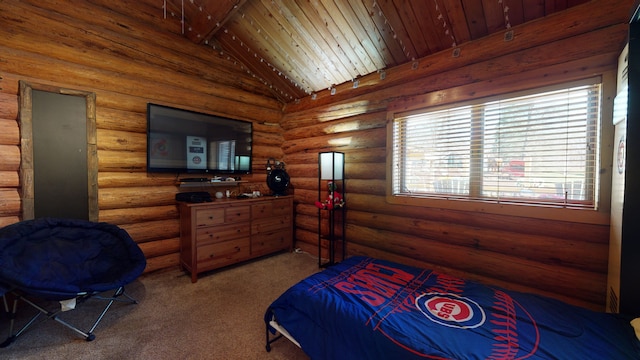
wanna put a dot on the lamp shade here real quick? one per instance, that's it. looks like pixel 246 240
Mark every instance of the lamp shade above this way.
pixel 331 166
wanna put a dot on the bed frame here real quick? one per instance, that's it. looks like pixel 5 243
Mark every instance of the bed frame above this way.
pixel 281 331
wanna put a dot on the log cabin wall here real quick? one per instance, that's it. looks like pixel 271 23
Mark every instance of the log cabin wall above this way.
pixel 564 257
pixel 80 46
pixel 127 64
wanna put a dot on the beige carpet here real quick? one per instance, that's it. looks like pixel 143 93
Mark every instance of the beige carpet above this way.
pixel 218 317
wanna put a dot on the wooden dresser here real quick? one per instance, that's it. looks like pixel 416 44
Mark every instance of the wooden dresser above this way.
pixel 228 231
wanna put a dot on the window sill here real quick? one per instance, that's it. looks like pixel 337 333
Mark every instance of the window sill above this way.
pixel 587 216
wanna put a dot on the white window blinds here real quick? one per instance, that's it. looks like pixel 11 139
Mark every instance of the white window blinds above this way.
pixel 539 148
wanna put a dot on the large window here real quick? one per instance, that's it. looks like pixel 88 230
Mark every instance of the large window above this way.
pixel 535 148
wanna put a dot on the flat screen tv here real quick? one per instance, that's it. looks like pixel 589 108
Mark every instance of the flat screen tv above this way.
pixel 183 141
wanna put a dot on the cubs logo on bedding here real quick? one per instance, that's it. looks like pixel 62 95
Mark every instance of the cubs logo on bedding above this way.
pixel 451 310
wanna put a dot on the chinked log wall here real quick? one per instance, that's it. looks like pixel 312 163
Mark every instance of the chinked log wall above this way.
pixel 81 46
pixel 564 259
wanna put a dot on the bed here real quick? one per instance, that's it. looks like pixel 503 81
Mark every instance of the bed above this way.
pixel 365 308
pixel 65 262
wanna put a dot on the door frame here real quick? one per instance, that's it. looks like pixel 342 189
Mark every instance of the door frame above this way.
pixel 25 116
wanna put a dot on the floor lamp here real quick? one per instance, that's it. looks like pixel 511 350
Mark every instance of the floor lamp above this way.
pixel 331 171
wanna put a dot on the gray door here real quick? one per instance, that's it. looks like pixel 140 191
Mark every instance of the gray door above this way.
pixel 60 155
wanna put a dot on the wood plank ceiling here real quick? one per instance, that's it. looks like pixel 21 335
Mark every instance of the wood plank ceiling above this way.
pixel 300 47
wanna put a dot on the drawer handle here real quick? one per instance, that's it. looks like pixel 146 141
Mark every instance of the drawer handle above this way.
pixel 210 217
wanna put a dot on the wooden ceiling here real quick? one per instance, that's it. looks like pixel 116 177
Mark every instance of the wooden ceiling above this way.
pixel 300 47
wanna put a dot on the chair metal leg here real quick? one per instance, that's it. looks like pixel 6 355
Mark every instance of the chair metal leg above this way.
pixel 89 336
pixel 12 336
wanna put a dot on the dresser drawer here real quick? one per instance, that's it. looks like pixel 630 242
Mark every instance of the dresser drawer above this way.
pixel 270 224
pixel 237 214
pixel 220 233
pixel 270 242
pixel 216 255
pixel 209 217
pixel 276 207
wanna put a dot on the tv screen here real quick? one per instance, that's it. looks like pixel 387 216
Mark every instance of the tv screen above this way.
pixel 183 141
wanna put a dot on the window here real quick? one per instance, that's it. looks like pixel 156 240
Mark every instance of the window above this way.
pixel 536 148
pixel 223 153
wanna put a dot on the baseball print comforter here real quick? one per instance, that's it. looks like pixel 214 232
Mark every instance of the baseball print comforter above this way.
pixel 365 308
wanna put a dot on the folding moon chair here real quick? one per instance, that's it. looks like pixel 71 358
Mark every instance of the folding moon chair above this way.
pixel 68 261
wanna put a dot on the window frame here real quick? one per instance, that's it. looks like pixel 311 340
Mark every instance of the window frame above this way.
pixel 450 98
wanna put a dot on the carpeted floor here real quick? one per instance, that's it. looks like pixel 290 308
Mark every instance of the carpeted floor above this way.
pixel 218 317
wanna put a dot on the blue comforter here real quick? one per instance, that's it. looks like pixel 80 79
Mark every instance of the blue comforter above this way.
pixel 365 308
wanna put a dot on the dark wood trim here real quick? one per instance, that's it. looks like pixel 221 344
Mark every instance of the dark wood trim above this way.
pixel 25 116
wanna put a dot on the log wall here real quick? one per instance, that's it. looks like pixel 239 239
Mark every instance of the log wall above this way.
pixel 126 64
pixel 561 254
